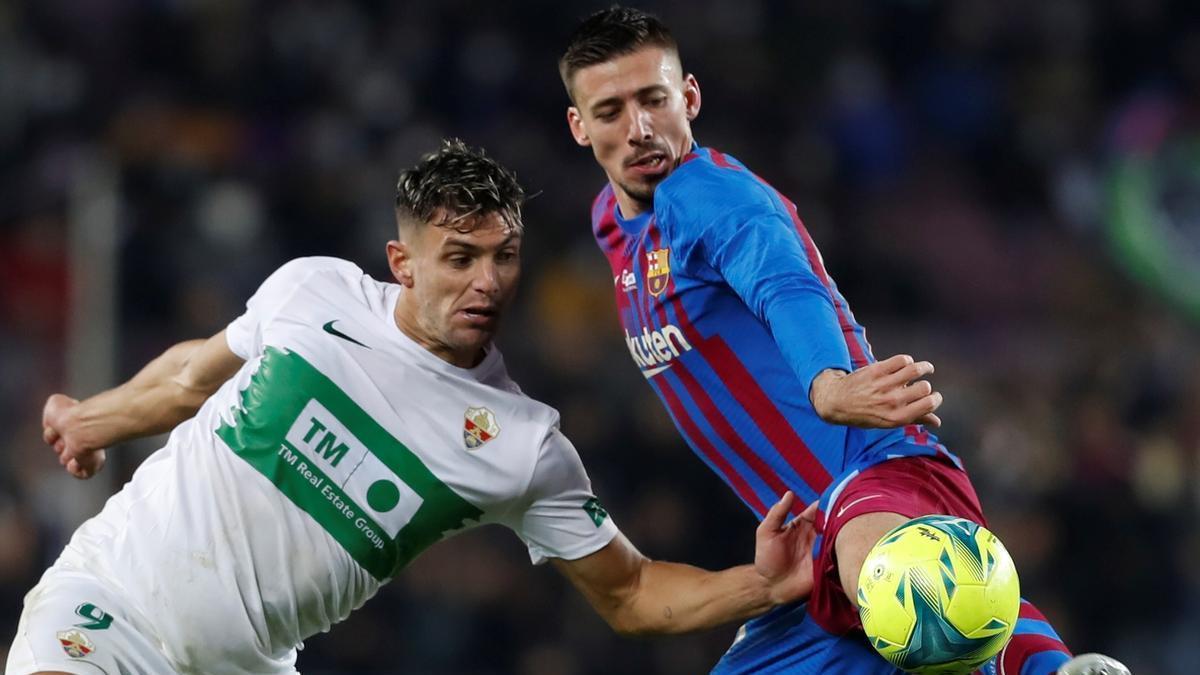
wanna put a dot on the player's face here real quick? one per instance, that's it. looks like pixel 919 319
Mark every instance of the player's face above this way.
pixel 635 113
pixel 457 285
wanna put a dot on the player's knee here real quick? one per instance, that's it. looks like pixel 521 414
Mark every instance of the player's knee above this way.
pixel 856 539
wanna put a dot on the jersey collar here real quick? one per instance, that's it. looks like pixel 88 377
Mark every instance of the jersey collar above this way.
pixel 632 225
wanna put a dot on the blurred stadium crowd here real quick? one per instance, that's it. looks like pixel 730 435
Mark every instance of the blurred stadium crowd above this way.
pixel 953 161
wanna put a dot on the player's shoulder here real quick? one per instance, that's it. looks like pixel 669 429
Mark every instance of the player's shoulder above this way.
pixel 304 272
pixel 604 220
pixel 709 184
pixel 707 176
pixel 302 278
pixel 602 205
pixel 299 269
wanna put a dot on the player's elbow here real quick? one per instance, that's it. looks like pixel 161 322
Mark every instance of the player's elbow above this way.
pixel 645 616
pixel 627 622
pixel 627 627
pixel 182 398
pixel 629 609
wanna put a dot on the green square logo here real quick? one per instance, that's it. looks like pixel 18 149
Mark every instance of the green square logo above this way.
pixel 595 510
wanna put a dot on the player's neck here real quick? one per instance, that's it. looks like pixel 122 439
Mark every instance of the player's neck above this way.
pixel 630 208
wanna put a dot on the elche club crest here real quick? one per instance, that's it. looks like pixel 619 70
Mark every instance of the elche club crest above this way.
pixel 658 270
pixel 479 427
pixel 75 643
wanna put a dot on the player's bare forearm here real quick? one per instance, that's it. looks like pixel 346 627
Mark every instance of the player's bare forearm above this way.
pixel 886 394
pixel 152 402
pixel 678 598
pixel 168 390
pixel 638 596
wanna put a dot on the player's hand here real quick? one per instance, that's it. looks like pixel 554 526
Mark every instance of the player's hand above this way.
pixel 783 551
pixel 886 394
pixel 60 430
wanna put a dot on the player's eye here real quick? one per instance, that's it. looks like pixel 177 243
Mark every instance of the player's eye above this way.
pixel 606 115
pixel 658 101
pixel 506 256
pixel 459 261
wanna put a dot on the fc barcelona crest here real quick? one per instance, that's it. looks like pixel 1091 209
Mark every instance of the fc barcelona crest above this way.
pixel 75 643
pixel 479 427
pixel 658 270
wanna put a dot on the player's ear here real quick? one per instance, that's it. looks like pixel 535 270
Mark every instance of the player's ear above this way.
pixel 691 96
pixel 575 122
pixel 399 255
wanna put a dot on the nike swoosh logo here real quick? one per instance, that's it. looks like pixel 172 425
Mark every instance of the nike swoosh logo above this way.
pixel 654 371
pixel 337 333
pixel 860 499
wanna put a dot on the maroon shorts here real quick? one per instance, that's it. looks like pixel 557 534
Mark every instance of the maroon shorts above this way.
pixel 910 486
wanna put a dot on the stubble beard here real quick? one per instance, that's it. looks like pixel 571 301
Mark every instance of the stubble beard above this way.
pixel 642 194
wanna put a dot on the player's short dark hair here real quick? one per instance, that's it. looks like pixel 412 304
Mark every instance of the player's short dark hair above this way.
pixel 456 183
pixel 610 33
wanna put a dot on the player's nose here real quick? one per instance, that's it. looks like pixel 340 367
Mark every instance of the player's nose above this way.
pixel 640 128
pixel 487 278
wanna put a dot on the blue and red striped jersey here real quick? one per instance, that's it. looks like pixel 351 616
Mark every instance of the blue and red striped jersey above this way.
pixel 729 313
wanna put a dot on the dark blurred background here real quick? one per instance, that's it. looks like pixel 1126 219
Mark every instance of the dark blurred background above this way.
pixel 1011 190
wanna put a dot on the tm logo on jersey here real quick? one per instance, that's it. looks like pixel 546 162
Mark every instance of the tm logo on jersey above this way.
pixel 366 489
pixel 350 477
pixel 654 350
pixel 658 270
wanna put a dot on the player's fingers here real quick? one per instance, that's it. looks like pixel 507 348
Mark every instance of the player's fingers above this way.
pixel 47 407
pixel 94 462
pixel 74 468
pixel 936 400
pixel 777 513
pixel 804 532
pixel 918 409
pixel 809 513
pixel 87 465
pixel 910 372
pixel 915 391
pixel 894 363
pixel 808 532
pixel 49 435
pixel 930 420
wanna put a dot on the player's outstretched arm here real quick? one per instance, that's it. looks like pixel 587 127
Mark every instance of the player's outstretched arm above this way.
pixel 639 596
pixel 169 390
pixel 885 394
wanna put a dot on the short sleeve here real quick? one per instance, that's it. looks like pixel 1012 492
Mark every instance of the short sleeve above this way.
pixel 244 334
pixel 563 518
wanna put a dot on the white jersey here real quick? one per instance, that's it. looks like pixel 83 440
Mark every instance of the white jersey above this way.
pixel 338 452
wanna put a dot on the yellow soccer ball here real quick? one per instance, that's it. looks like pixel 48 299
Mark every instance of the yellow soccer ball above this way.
pixel 938 594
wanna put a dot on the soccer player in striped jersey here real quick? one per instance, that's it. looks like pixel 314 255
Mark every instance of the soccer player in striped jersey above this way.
pixel 731 316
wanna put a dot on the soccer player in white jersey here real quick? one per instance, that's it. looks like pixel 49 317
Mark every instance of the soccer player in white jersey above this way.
pixel 326 437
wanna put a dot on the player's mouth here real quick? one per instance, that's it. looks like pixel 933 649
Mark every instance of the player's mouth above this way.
pixel 649 164
pixel 480 316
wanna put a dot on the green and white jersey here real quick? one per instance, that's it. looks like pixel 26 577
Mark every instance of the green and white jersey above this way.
pixel 339 452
